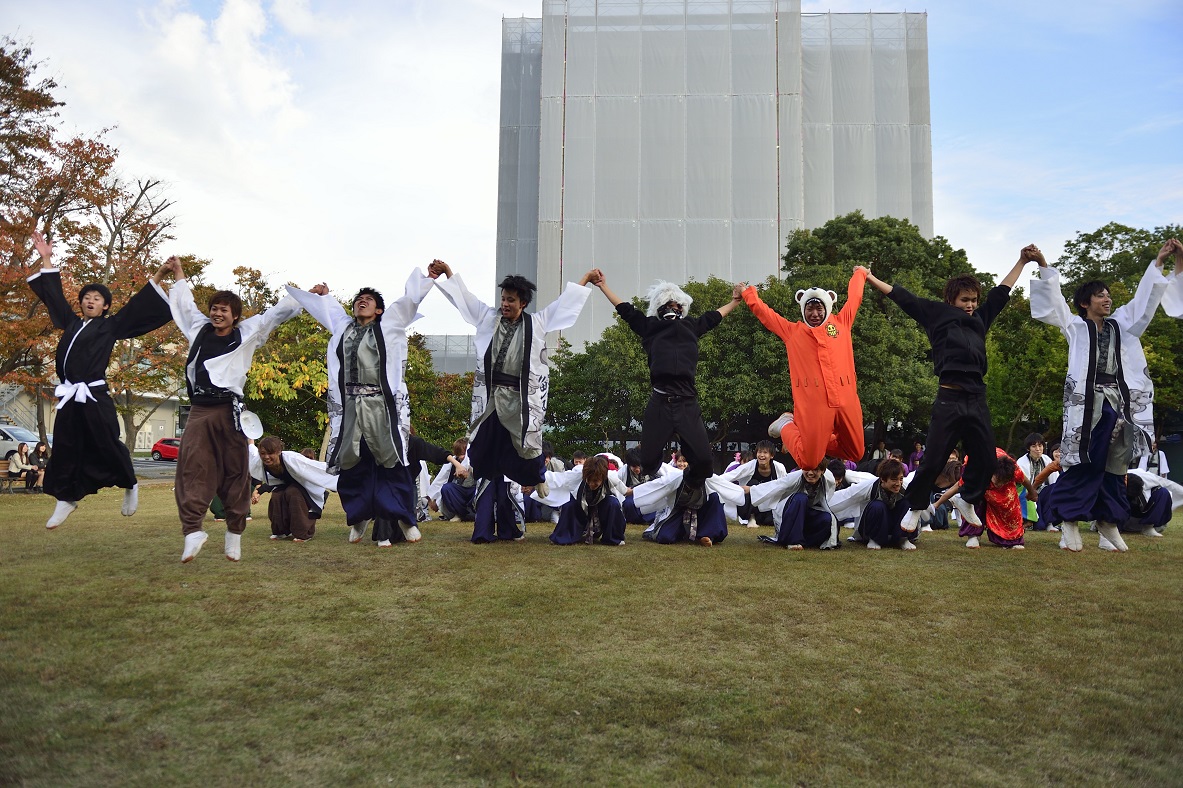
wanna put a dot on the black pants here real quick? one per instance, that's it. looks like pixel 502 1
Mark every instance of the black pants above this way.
pixel 957 415
pixel 666 416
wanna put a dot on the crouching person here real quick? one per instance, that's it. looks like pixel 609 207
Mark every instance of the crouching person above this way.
pixel 800 503
pixel 706 526
pixel 298 488
pixel 879 524
pixel 593 513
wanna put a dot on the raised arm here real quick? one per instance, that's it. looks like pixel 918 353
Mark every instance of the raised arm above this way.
pixel 471 308
pixel 601 282
pixel 736 297
pixel 768 317
pixel 854 294
pixel 1047 302
pixel 46 284
pixel 879 284
pixel 1134 317
pixel 324 309
pixel 564 310
pixel 1026 255
pixel 406 307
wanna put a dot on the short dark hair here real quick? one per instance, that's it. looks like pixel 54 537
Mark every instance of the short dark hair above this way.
pixel 1033 439
pixel 378 299
pixel 520 285
pixel 889 469
pixel 632 457
pixel 837 468
pixel 579 455
pixel 957 284
pixel 101 289
pixel 547 449
pixel 768 445
pixel 1085 293
pixel 228 298
pixel 271 444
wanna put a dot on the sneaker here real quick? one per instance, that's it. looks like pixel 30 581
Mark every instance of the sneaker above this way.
pixel 193 544
pixel 911 520
pixel 1110 534
pixel 410 532
pixel 972 543
pixel 1051 529
pixel 966 510
pixel 907 544
pixel 384 543
pixel 1070 537
pixel 357 532
pixel 775 427
pixel 131 501
pixel 60 512
pixel 1018 547
pixel 301 541
pixel 275 537
pixel 233 546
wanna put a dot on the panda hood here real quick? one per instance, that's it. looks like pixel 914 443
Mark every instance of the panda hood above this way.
pixel 826 297
pixel 661 293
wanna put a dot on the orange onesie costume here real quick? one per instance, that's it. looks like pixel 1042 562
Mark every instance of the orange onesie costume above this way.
pixel 827 414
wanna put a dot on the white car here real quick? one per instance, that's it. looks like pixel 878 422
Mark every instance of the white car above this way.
pixel 12 436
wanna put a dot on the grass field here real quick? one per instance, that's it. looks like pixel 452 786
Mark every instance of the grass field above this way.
pixel 451 663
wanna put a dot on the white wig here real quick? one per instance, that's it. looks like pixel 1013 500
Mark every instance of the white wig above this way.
pixel 826 297
pixel 661 293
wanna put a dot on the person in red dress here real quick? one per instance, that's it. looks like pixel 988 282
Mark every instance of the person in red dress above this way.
pixel 1004 515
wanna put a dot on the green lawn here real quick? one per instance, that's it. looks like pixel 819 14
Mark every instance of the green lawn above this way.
pixel 451 663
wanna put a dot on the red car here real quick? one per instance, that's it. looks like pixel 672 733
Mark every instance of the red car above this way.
pixel 166 449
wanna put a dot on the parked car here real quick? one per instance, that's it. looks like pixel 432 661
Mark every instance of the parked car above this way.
pixel 12 436
pixel 166 449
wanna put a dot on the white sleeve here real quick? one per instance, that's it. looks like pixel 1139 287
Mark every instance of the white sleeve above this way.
pixel 324 309
pixel 471 309
pixel 256 462
pixel 1047 302
pixel 1135 316
pixel 564 310
pixel 405 308
pixel 186 315
pixel 1172 299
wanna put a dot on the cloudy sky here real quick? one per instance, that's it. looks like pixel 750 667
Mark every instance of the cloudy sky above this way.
pixel 349 141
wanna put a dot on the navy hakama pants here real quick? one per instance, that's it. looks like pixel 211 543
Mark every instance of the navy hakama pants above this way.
pixel 572 527
pixel 371 492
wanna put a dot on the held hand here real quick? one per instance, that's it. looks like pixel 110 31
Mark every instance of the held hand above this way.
pixel 1171 247
pixel 175 263
pixel 320 289
pixel 862 268
pixel 737 291
pixel 1031 253
pixel 589 278
pixel 600 280
pixel 43 247
pixel 255 497
pixel 437 268
pixel 461 472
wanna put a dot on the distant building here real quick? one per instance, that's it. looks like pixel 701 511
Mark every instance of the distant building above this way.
pixel 677 139
pixel 451 353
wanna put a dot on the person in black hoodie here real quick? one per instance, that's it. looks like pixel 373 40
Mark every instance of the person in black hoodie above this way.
pixel 957 330
pixel 670 339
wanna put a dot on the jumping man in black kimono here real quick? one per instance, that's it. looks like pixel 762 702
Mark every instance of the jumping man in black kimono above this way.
pixel 87 452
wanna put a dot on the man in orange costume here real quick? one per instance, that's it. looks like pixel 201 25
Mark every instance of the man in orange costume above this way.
pixel 828 417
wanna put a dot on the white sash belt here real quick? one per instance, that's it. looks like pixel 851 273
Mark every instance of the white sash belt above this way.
pixel 79 392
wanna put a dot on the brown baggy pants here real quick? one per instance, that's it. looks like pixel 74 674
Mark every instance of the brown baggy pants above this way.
pixel 213 461
pixel 288 512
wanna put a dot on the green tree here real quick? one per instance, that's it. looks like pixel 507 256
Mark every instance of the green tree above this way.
pixel 440 404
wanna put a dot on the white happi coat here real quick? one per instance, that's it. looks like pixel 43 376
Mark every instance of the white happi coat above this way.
pixel 659 494
pixel 849 502
pixel 535 380
pixel 1150 481
pixel 392 347
pixel 442 477
pixel 1137 390
pixel 742 474
pixel 229 370
pixel 774 495
pixel 1024 464
pixel 312 475
pixel 564 484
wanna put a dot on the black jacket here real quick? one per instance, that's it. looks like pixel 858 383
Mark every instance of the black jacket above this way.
pixel 671 345
pixel 958 340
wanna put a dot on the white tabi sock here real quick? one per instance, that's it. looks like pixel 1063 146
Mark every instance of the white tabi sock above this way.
pixel 1070 537
pixel 233 546
pixel 131 500
pixel 1111 535
pixel 357 532
pixel 193 544
pixel 60 512
pixel 410 531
